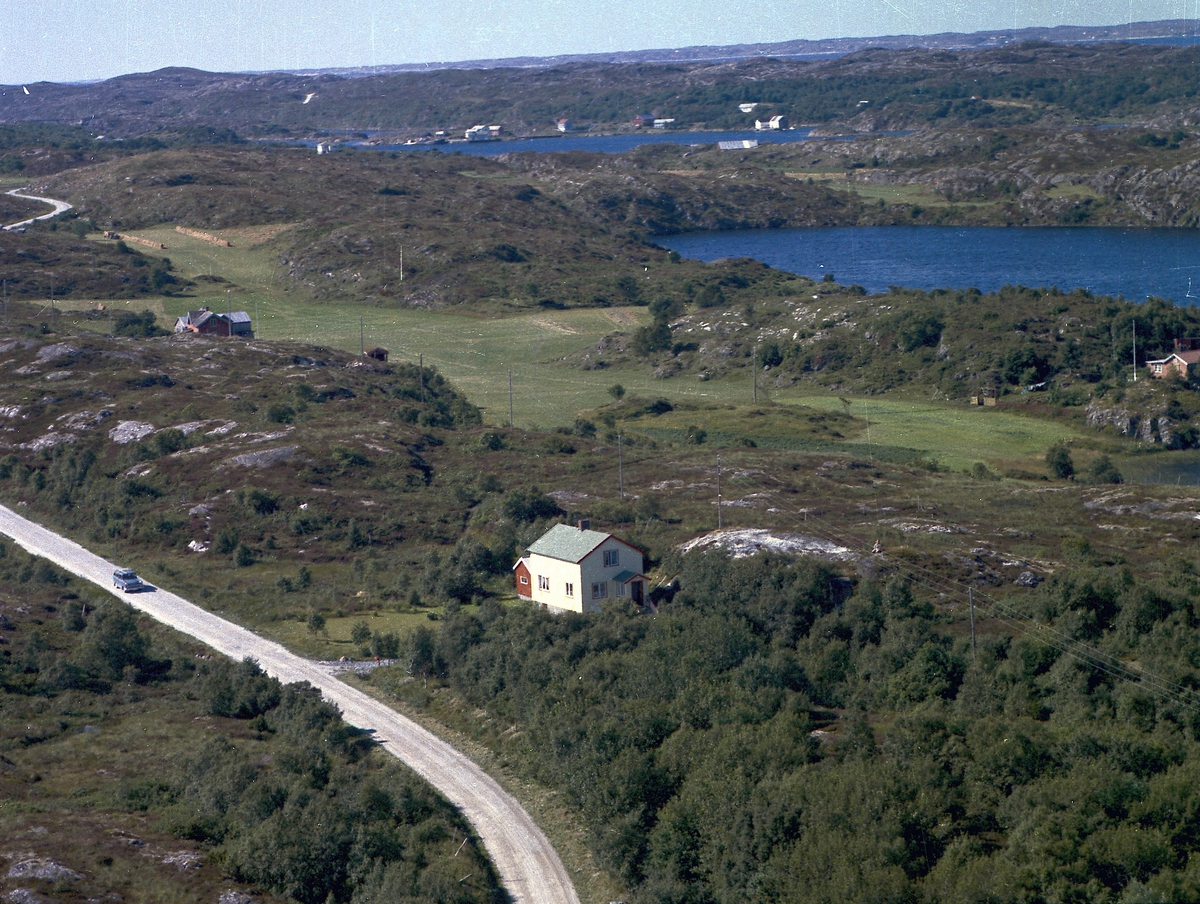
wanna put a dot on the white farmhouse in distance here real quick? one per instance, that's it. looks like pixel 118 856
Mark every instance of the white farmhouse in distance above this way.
pixel 772 124
pixel 576 569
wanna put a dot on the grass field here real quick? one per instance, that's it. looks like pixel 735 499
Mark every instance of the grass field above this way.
pixel 477 355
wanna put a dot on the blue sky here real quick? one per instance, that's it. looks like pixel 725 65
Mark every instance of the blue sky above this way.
pixel 75 40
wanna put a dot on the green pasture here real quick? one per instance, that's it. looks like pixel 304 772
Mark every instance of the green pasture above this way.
pixel 953 434
pixel 478 353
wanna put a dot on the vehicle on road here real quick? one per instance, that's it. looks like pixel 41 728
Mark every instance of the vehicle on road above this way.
pixel 127 580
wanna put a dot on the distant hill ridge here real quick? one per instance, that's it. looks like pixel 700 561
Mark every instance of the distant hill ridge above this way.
pixel 1169 31
pixel 1052 76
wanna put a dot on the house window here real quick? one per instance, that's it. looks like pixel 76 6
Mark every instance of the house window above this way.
pixel 599 590
pixel 620 589
pixel 611 558
pixel 543 582
pixel 524 579
pixel 571 590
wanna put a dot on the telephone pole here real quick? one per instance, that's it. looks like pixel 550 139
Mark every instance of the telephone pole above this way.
pixel 971 595
pixel 620 468
pixel 362 342
pixel 719 492
pixel 510 405
pixel 421 368
pixel 1135 351
pixel 754 372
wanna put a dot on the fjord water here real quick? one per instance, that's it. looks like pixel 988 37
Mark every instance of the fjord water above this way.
pixel 1134 263
pixel 605 144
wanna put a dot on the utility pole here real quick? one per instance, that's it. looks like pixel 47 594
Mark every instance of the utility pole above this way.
pixel 510 405
pixel 421 368
pixel 754 372
pixel 401 263
pixel 256 320
pixel 620 468
pixel 719 492
pixel 1135 351
pixel 362 342
pixel 5 304
pixel 111 331
pixel 52 311
pixel 971 594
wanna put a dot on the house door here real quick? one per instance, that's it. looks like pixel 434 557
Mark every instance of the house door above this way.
pixel 636 592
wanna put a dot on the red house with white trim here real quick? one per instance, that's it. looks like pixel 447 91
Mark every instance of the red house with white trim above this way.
pixel 1185 356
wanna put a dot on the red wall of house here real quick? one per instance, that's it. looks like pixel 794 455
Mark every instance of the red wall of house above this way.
pixel 525 589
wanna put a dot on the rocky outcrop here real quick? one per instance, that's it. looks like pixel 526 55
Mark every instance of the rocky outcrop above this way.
pixel 1147 427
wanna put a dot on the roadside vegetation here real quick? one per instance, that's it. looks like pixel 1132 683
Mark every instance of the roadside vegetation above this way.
pixel 133 763
pixel 764 738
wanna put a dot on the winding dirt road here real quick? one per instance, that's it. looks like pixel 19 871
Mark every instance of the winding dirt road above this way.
pixel 59 207
pixel 528 865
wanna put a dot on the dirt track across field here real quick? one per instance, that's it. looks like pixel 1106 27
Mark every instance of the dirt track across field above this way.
pixel 528 865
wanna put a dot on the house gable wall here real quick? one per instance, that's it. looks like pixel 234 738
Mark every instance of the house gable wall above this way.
pixel 524 581
pixel 594 571
pixel 559 574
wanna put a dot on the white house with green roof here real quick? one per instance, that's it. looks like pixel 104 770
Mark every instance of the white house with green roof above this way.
pixel 577 569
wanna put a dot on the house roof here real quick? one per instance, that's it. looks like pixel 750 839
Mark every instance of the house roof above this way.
pixel 236 317
pixel 1189 358
pixel 626 576
pixel 567 543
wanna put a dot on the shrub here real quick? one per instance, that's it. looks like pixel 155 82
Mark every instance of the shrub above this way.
pixel 281 414
pixel 137 326
pixel 530 505
pixel 1102 470
pixel 1059 460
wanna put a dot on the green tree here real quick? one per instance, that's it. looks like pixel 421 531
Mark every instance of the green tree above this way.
pixel 360 634
pixel 1058 457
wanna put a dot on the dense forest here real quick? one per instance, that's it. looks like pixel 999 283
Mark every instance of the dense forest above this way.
pixel 764 739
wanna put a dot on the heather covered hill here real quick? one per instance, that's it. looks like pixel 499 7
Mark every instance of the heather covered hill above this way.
pixel 1051 85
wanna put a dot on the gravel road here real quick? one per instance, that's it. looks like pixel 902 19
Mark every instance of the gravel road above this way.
pixel 528 865
pixel 59 207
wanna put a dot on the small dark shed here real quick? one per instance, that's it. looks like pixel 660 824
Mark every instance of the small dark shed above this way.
pixel 379 354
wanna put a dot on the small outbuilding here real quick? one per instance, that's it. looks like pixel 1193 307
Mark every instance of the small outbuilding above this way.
pixel 575 569
pixel 379 354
